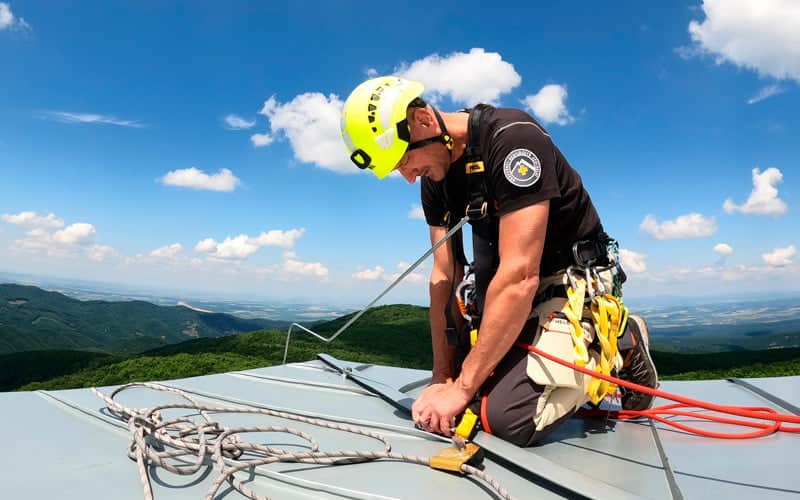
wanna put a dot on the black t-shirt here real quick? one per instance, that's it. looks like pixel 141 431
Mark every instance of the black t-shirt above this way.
pixel 523 167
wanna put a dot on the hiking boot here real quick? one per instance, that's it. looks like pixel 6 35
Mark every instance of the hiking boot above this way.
pixel 638 366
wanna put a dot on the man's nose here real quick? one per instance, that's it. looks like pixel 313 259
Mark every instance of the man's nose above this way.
pixel 409 175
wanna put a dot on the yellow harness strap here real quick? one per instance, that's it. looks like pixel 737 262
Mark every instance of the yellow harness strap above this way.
pixel 573 310
pixel 610 317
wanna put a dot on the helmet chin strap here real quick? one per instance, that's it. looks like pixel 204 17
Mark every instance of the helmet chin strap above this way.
pixel 443 138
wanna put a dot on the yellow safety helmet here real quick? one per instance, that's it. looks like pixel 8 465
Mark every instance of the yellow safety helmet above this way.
pixel 374 125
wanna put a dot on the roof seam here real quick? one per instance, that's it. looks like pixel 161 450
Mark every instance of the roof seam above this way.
pixel 670 475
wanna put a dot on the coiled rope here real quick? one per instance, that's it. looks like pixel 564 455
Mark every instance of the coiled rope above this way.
pixel 207 439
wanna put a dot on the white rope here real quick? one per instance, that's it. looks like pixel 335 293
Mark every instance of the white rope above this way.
pixel 209 442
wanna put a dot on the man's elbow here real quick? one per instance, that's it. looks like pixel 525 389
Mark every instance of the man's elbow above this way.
pixel 524 281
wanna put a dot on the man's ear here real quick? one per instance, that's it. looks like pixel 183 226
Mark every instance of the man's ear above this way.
pixel 425 117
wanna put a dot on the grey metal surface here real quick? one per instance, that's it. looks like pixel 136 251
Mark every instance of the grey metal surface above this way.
pixel 61 444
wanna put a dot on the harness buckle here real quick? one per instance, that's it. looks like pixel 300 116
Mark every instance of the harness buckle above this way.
pixel 474 167
pixel 475 213
pixel 585 253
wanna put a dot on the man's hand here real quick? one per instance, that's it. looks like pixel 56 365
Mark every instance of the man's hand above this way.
pixel 437 407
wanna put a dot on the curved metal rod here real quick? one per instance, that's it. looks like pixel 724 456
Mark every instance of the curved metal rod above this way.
pixel 352 320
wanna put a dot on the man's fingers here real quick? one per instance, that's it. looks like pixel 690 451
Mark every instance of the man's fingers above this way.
pixel 445 423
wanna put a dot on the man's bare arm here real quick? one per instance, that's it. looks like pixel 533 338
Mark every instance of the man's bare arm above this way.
pixel 510 293
pixel 442 281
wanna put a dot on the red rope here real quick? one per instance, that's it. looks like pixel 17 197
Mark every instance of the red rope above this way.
pixel 774 420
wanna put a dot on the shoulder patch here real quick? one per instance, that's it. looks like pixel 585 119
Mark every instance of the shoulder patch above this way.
pixel 522 168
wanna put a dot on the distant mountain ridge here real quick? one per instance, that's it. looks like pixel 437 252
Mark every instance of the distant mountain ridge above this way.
pixel 36 319
pixel 394 335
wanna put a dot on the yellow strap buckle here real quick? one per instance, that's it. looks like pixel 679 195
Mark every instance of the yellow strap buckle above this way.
pixel 451 459
pixel 466 428
pixel 473 337
pixel 474 167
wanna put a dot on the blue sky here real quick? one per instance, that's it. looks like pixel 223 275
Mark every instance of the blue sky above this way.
pixel 194 146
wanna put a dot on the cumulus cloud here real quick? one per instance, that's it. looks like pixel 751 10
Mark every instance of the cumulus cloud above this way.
pixel 686 226
pixel 311 121
pixel 167 252
pixel 261 140
pixel 632 262
pixel 294 266
pixel 99 253
pixel 549 105
pixel 67 117
pixel 206 245
pixel 243 246
pixel 32 219
pixel 44 236
pixel 237 248
pixel 766 93
pixel 278 238
pixel 780 257
pixel 466 78
pixel 369 274
pixel 416 212
pixel 761 35
pixel 8 20
pixel 193 178
pixel 311 124
pixel 723 249
pixel 75 234
pixel 763 200
pixel 235 122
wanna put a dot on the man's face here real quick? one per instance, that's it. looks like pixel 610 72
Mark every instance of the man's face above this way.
pixel 431 161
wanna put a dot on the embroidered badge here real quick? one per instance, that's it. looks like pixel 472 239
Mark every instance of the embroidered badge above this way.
pixel 522 168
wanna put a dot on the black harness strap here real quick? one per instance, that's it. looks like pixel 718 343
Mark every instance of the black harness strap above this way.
pixel 479 199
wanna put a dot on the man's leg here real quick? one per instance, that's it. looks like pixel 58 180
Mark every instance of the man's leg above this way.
pixel 513 400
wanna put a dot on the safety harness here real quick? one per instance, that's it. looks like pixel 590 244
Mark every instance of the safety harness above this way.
pixel 584 262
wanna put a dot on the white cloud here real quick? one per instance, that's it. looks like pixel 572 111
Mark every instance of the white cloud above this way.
pixel 416 212
pixel 311 121
pixel 293 266
pixel 686 226
pixel 311 124
pixel 369 274
pixel 193 178
pixel 780 257
pixel 761 35
pixel 236 248
pixel 66 117
pixel 723 249
pixel 766 93
pixel 632 262
pixel 206 245
pixel 260 140
pixel 278 238
pixel 235 122
pixel 167 252
pixel 46 236
pixel 99 253
pixel 75 234
pixel 243 246
pixel 763 200
pixel 9 20
pixel 6 16
pixel 549 105
pixel 32 219
pixel 466 78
